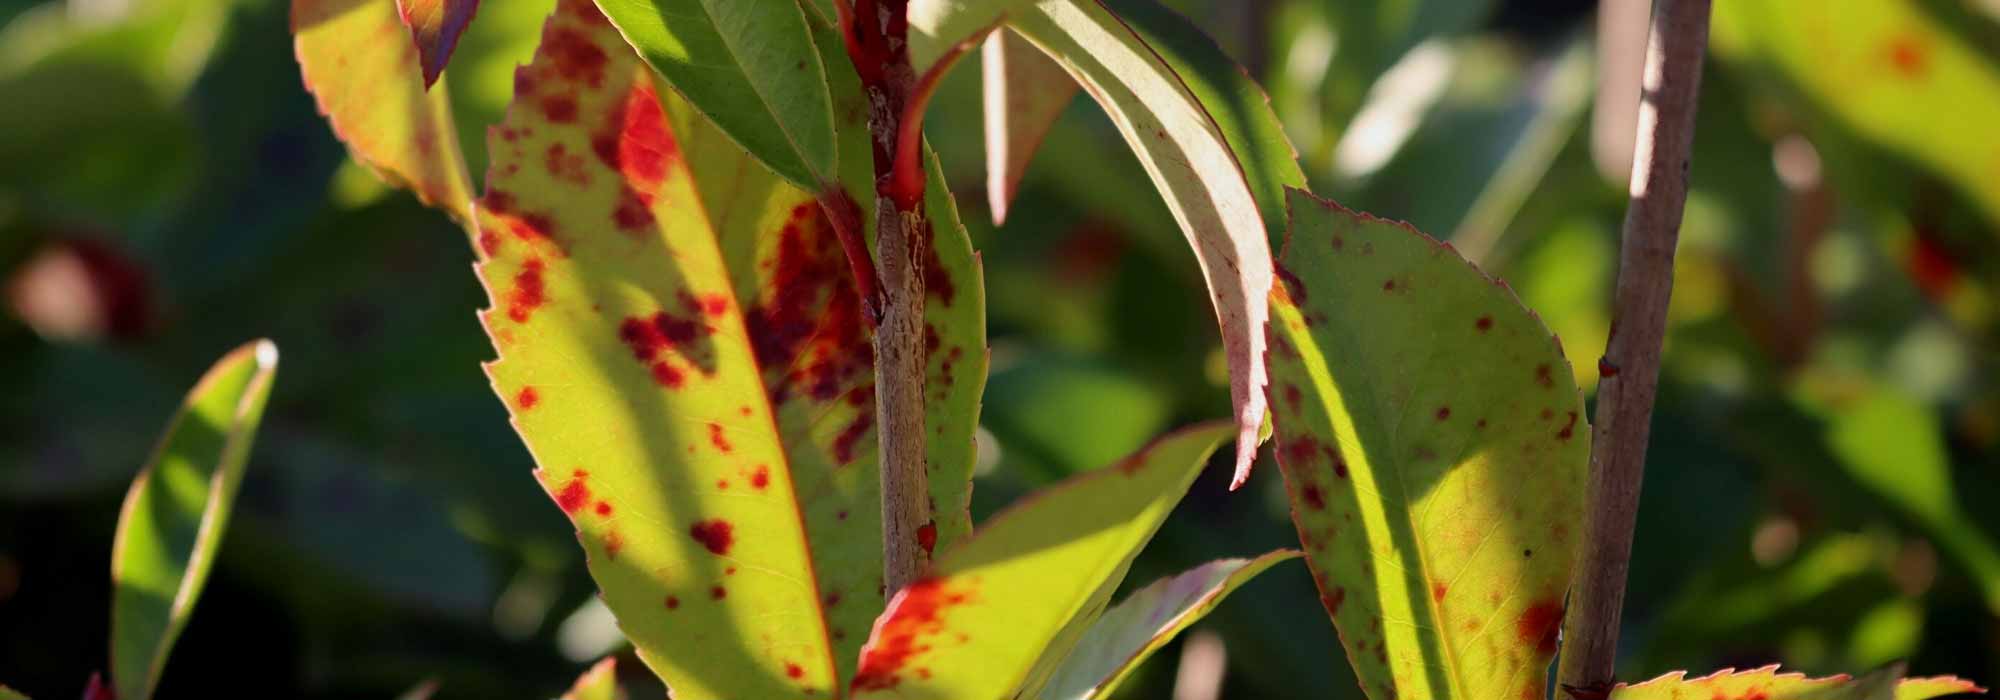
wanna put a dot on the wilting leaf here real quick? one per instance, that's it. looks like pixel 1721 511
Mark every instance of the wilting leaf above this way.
pixel 1894 446
pixel 598 683
pixel 435 26
pixel 1434 447
pixel 752 66
pixel 174 516
pixel 999 613
pixel 1025 93
pixel 682 350
pixel 1889 71
pixel 1208 139
pixel 1145 621
pixel 361 67
pixel 1768 684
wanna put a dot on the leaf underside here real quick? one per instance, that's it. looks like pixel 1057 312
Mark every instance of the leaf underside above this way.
pixel 435 26
pixel 1146 620
pixel 364 71
pixel 178 508
pixel 1024 94
pixel 1768 684
pixel 997 615
pixel 1163 98
pixel 1434 448
pixel 682 350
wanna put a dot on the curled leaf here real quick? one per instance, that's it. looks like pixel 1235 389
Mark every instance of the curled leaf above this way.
pixel 435 26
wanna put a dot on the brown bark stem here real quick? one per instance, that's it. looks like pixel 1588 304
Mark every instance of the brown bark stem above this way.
pixel 877 43
pixel 1631 364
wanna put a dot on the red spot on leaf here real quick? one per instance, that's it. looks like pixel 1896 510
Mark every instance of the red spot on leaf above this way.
pixel 927 536
pixel 1909 55
pixel 717 592
pixel 573 56
pixel 1294 288
pixel 1444 413
pixel 760 478
pixel 794 671
pixel 560 109
pixel 1484 324
pixel 918 612
pixel 604 508
pixel 843 445
pixel 565 166
pixel 1293 397
pixel 1313 496
pixel 716 535
pixel 489 242
pixel 1543 376
pixel 673 602
pixel 807 320
pixel 1539 624
pixel 718 439
pixel 613 542
pixel 1438 590
pixel 527 398
pixel 1388 285
pixel 1569 429
pixel 1333 600
pixel 529 293
pixel 576 493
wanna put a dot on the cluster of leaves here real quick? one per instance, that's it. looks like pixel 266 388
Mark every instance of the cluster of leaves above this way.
pixel 562 271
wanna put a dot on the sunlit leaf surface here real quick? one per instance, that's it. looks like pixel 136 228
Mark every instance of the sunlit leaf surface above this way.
pixel 598 683
pixel 1768 684
pixel 1025 93
pixel 1434 447
pixel 682 350
pixel 998 614
pixel 177 511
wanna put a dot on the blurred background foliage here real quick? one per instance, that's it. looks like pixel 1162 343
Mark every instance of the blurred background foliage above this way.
pixel 1824 451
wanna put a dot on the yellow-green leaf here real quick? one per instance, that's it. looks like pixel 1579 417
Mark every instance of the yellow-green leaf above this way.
pixel 1024 94
pixel 1888 70
pixel 682 350
pixel 598 683
pixel 752 66
pixel 1212 148
pixel 174 516
pixel 1434 447
pixel 7 693
pixel 1768 684
pixel 936 25
pixel 360 65
pixel 1146 620
pixel 996 615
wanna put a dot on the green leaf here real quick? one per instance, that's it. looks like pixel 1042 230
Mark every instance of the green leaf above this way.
pixel 1146 620
pixel 598 683
pixel 1893 445
pixel 174 516
pixel 7 693
pixel 682 351
pixel 366 77
pixel 1025 93
pixel 998 614
pixel 752 66
pixel 1208 139
pixel 1886 69
pixel 1434 447
pixel 1768 684
pixel 435 26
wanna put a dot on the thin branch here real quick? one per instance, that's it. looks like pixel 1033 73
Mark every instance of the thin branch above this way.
pixel 1631 363
pixel 877 35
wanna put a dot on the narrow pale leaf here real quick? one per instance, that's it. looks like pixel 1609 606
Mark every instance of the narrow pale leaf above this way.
pixel 752 66
pixel 1024 94
pixel 435 26
pixel 1146 620
pixel 997 614
pixel 935 25
pixel 1212 148
pixel 598 683
pixel 1768 684
pixel 1888 70
pixel 682 350
pixel 1434 447
pixel 175 515
pixel 360 65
